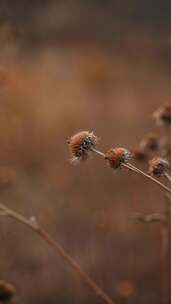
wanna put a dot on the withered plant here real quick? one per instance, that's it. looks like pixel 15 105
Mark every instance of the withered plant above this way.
pixel 81 146
pixel 84 143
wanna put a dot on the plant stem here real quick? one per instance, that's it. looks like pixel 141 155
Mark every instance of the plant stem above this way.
pixel 98 152
pixel 168 177
pixel 165 256
pixel 136 170
pixel 33 224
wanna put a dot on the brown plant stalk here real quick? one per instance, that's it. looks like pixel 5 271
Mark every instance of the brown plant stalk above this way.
pixel 137 170
pixel 34 226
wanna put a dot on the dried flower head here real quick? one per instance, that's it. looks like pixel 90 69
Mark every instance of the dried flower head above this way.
pixel 163 114
pixel 150 142
pixel 138 153
pixel 158 166
pixel 7 291
pixel 81 144
pixel 117 157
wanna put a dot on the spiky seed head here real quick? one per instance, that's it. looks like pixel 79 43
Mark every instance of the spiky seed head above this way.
pixel 163 115
pixel 81 144
pixel 139 153
pixel 7 291
pixel 150 142
pixel 158 166
pixel 116 157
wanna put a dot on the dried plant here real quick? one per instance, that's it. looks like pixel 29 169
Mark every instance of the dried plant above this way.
pixel 33 224
pixel 159 167
pixel 119 158
pixel 81 145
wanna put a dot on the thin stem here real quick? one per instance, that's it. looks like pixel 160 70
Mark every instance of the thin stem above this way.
pixel 98 152
pixel 168 177
pixel 33 224
pixel 136 170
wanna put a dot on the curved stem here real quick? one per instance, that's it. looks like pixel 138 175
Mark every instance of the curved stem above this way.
pixel 34 226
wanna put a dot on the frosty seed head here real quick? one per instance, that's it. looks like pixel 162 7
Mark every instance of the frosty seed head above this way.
pixel 81 144
pixel 117 156
pixel 158 166
pixel 163 115
pixel 7 291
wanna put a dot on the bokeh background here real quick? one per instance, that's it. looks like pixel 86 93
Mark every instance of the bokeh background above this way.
pixel 67 66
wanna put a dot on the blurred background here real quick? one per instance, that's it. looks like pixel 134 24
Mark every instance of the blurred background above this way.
pixel 67 66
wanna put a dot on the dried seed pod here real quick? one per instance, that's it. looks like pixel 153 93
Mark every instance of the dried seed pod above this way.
pixel 139 153
pixel 150 142
pixel 81 144
pixel 163 115
pixel 158 166
pixel 7 291
pixel 117 157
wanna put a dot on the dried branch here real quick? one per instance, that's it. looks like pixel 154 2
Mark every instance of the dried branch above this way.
pixel 34 226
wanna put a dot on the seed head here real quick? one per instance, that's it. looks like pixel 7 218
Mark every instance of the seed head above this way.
pixel 138 153
pixel 7 291
pixel 81 144
pixel 150 142
pixel 158 166
pixel 117 157
pixel 163 115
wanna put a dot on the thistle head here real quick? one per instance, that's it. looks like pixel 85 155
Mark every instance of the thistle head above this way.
pixel 116 157
pixel 81 144
pixel 158 166
pixel 163 115
pixel 139 153
pixel 150 142
pixel 7 291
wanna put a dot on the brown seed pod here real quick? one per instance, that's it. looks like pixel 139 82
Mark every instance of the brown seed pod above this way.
pixel 150 142
pixel 7 291
pixel 81 144
pixel 163 114
pixel 139 153
pixel 158 166
pixel 117 156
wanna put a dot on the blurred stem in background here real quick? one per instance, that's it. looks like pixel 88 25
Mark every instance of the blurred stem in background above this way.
pixel 163 219
pixel 34 226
